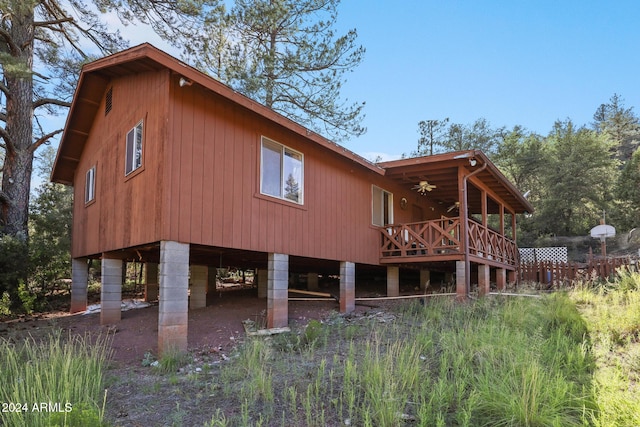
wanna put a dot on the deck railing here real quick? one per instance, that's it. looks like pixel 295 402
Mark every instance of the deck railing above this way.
pixel 442 237
pixel 421 238
pixel 487 243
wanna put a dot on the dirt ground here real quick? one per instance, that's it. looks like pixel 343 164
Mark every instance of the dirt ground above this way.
pixel 139 397
pixel 218 327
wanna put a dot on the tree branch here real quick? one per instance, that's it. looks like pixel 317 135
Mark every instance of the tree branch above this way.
pixel 4 89
pixel 7 38
pixel 8 143
pixel 54 22
pixel 44 138
pixel 48 101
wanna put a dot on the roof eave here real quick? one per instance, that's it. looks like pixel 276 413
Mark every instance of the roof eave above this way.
pixel 458 156
pixel 147 51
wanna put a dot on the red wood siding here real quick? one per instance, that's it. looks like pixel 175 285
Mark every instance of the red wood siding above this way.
pixel 214 195
pixel 127 210
pixel 200 181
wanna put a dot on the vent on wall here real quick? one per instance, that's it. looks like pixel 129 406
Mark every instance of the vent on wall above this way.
pixel 109 101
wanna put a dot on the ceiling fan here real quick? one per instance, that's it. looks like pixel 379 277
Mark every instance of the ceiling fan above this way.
pixel 456 205
pixel 423 186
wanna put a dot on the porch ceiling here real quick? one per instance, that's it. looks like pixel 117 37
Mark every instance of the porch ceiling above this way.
pixel 441 170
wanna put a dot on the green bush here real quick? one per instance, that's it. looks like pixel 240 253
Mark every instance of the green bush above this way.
pixel 14 256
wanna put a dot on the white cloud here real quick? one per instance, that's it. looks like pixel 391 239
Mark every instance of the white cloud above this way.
pixel 374 156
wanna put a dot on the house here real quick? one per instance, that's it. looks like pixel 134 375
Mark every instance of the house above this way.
pixel 174 169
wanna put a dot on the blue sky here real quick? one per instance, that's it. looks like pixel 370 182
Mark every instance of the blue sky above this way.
pixel 512 62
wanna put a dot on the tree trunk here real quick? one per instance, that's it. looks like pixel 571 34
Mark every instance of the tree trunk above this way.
pixel 16 182
pixel 18 162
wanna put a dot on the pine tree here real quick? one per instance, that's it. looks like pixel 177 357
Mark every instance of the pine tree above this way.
pixel 620 125
pixel 285 55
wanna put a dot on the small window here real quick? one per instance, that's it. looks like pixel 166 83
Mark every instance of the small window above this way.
pixel 134 149
pixel 281 171
pixel 381 207
pixel 90 185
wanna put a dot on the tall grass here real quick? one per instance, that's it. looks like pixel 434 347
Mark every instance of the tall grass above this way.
pixel 57 382
pixel 612 313
pixel 493 362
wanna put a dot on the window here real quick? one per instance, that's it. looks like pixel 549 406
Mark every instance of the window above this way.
pixel 90 185
pixel 281 171
pixel 134 149
pixel 381 206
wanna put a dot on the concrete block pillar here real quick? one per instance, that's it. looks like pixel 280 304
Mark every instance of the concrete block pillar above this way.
pixel 277 290
pixel 150 281
pixel 461 283
pixel 79 284
pixel 425 279
pixel 263 277
pixel 174 287
pixel 199 282
pixel 347 287
pixel 484 277
pixel 501 278
pixel 393 281
pixel 111 291
pixel 312 281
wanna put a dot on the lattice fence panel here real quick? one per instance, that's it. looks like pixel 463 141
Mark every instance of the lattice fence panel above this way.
pixel 554 254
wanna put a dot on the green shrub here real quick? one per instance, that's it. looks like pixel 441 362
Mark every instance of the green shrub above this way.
pixel 14 256
pixel 5 304
pixel 172 360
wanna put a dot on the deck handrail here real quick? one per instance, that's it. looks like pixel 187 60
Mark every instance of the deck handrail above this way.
pixel 429 237
pixel 442 236
pixel 485 242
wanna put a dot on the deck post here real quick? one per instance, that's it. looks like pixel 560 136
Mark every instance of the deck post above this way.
pixel 199 282
pixel 393 281
pixel 312 281
pixel 484 276
pixel 425 279
pixel 212 285
pixel 79 284
pixel 150 281
pixel 512 277
pixel 262 282
pixel 277 290
pixel 347 287
pixel 501 278
pixel 461 281
pixel 173 317
pixel 111 290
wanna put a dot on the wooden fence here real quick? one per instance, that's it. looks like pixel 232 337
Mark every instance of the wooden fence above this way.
pixel 558 273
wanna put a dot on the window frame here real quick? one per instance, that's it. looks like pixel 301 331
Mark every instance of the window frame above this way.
pixel 284 152
pixel 133 156
pixel 382 203
pixel 90 185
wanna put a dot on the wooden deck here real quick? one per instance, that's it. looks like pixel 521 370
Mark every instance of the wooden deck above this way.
pixel 441 240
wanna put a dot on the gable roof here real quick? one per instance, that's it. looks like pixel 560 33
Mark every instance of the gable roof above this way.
pixel 96 75
pixel 441 170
